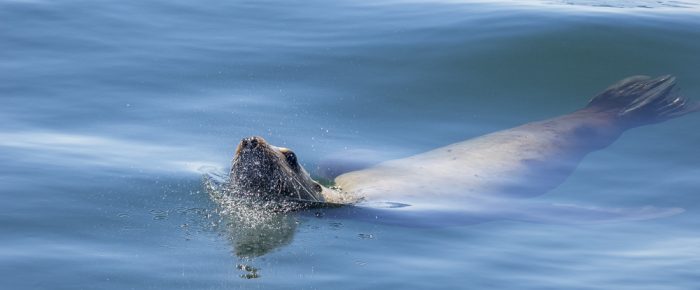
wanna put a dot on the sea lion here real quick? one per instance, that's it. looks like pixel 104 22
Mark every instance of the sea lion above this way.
pixel 478 178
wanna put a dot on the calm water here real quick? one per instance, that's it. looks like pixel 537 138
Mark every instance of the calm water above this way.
pixel 112 110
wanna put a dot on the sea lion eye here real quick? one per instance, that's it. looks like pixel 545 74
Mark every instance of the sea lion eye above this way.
pixel 291 159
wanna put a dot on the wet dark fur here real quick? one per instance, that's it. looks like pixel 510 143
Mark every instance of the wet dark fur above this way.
pixel 263 171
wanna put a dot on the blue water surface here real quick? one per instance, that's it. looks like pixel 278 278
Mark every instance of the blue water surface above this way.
pixel 111 112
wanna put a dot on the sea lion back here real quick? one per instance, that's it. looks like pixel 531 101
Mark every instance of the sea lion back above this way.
pixel 524 161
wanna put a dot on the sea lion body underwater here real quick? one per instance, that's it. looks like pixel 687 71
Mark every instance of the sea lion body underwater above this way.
pixel 479 179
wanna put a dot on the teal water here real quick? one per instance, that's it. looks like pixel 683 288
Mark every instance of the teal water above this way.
pixel 112 111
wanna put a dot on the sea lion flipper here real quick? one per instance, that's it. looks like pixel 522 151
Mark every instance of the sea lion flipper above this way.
pixel 640 100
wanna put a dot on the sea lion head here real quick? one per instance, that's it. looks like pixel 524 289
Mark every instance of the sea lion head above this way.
pixel 271 173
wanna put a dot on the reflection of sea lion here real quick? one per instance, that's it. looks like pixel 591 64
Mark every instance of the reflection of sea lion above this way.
pixel 252 228
pixel 462 178
pixel 254 232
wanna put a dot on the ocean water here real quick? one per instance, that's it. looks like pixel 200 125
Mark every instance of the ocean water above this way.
pixel 112 111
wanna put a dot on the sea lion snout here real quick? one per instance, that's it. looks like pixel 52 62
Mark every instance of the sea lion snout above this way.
pixel 252 142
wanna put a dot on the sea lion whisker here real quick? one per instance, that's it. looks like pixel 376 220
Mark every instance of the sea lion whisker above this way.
pixel 305 189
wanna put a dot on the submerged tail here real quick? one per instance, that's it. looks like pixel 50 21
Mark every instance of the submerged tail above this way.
pixel 642 100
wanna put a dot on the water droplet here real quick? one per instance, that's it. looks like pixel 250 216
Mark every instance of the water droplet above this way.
pixel 360 263
pixel 366 236
pixel 159 214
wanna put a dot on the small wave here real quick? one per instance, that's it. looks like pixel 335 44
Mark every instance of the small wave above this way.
pixel 68 150
pixel 628 4
pixel 591 5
